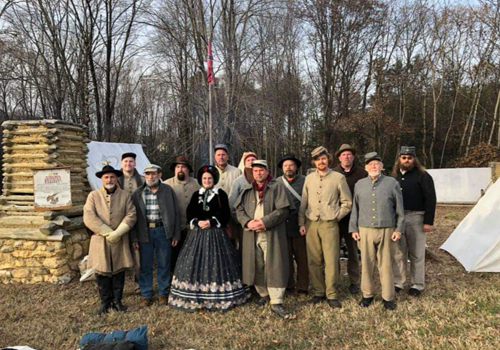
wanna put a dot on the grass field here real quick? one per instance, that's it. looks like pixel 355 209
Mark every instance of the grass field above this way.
pixel 458 310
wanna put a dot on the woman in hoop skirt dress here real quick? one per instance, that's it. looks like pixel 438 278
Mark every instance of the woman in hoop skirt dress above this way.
pixel 208 272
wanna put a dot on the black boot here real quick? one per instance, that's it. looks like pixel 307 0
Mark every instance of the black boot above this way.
pixel 105 293
pixel 118 284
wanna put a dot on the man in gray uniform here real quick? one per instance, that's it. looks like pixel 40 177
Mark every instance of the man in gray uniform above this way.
pixel 377 223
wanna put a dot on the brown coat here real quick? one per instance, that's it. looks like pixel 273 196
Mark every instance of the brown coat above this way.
pixel 102 208
pixel 277 205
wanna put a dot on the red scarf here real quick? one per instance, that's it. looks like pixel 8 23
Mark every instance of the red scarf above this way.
pixel 261 189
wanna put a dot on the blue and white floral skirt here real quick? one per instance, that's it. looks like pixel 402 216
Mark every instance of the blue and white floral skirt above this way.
pixel 208 273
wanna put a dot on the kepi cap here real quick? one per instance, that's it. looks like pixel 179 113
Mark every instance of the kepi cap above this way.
pixel 260 162
pixel 372 156
pixel 152 168
pixel 221 146
pixel 409 150
pixel 129 154
pixel 318 151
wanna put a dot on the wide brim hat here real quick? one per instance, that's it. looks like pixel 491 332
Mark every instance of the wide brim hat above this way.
pixel 108 169
pixel 289 157
pixel 345 147
pixel 181 160
pixel 208 169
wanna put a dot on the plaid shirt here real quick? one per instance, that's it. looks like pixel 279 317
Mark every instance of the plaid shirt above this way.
pixel 152 207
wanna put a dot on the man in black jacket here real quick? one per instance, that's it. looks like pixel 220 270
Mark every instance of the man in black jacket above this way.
pixel 156 231
pixel 419 198
pixel 353 173
pixel 294 183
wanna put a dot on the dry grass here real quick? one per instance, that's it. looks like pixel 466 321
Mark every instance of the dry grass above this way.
pixel 457 311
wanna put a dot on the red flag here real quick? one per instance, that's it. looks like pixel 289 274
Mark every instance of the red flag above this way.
pixel 210 62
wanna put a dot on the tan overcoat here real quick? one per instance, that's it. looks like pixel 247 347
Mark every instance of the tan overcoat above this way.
pixel 110 209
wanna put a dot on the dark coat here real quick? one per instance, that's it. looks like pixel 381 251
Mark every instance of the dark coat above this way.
pixel 292 221
pixel 218 212
pixel 419 193
pixel 169 210
pixel 277 206
pixel 357 173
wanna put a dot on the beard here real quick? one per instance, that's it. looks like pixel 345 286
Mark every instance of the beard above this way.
pixel 406 166
pixel 153 183
pixel 110 187
pixel 181 176
pixel 289 173
pixel 374 173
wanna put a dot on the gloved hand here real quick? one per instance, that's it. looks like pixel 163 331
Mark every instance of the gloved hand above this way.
pixel 104 230
pixel 114 236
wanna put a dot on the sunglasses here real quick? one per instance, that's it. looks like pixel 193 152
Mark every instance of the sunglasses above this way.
pixel 406 157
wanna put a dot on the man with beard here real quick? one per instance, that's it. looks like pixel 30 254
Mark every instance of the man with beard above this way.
pixel 419 197
pixel 184 186
pixel 294 183
pixel 157 230
pixel 109 213
pixel 353 173
pixel 377 223
pixel 262 209
pixel 131 180
pixel 326 199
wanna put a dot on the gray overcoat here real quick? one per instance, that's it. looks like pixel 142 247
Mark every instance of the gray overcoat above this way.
pixel 277 205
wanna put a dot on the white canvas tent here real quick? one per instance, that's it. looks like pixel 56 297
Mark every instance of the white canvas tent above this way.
pixel 475 243
pixel 460 185
pixel 100 152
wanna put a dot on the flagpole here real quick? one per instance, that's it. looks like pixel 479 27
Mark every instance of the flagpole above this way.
pixel 211 153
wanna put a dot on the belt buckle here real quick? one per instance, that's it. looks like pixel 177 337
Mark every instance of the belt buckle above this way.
pixel 152 225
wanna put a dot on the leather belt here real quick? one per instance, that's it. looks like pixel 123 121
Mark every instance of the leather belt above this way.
pixel 155 224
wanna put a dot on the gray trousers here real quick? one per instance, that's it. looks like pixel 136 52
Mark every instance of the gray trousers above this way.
pixel 411 246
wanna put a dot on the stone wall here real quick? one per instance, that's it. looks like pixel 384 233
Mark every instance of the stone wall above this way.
pixel 41 246
pixel 28 261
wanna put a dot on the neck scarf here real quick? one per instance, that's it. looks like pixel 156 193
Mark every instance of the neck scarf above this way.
pixel 261 189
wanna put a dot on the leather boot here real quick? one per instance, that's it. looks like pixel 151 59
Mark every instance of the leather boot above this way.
pixel 118 284
pixel 105 293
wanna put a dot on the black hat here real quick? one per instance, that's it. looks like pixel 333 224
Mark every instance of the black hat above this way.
pixel 208 169
pixel 289 157
pixel 408 150
pixel 181 160
pixel 372 156
pixel 129 154
pixel 108 169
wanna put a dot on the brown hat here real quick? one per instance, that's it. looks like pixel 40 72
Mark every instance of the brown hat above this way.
pixel 181 160
pixel 318 151
pixel 345 147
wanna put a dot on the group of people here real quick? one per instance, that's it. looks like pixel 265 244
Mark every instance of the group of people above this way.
pixel 230 228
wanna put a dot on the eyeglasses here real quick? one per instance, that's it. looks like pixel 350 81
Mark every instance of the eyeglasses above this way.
pixel 406 157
